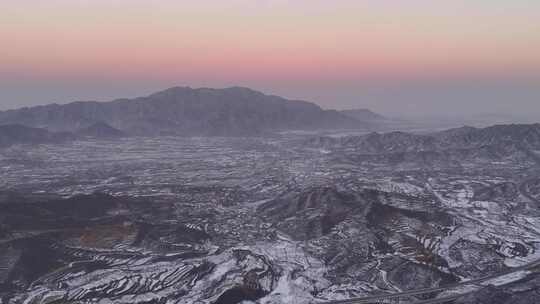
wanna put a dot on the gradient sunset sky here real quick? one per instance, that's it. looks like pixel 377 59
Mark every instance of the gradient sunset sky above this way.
pixel 389 55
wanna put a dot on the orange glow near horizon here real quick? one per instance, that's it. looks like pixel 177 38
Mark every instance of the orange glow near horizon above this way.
pixel 266 39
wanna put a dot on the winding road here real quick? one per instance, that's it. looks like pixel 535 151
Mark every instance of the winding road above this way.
pixel 374 299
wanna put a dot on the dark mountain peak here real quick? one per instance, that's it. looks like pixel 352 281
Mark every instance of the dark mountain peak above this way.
pixel 172 91
pixel 461 130
pixel 363 114
pixel 515 129
pixel 499 129
pixel 242 90
pixel 186 92
pixel 185 111
pixel 101 130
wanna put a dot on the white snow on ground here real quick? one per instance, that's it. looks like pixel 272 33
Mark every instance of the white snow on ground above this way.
pixel 301 273
pixel 486 222
pixel 509 278
pixel 403 188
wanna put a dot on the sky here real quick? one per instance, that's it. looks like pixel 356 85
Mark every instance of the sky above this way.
pixel 413 57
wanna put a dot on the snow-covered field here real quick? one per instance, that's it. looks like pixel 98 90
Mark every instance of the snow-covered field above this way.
pixel 343 227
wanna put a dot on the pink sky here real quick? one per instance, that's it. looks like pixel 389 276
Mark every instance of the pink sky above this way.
pixel 265 43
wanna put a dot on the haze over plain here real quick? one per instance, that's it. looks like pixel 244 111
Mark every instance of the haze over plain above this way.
pixel 411 58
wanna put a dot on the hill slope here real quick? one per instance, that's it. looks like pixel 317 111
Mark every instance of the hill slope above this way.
pixel 100 130
pixel 19 134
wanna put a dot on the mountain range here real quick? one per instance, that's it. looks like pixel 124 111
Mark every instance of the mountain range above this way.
pixel 525 135
pixel 237 111
pixel 499 144
pixel 186 111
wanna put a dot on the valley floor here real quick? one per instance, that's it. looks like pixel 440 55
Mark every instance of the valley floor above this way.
pixel 269 220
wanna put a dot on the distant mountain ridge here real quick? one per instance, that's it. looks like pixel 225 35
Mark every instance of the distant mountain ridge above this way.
pixel 101 130
pixel 363 115
pixel 185 111
pixel 499 145
pixel 527 135
pixel 497 138
pixel 13 134
pixel 19 134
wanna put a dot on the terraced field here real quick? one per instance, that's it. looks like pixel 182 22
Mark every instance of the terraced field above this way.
pixel 283 219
